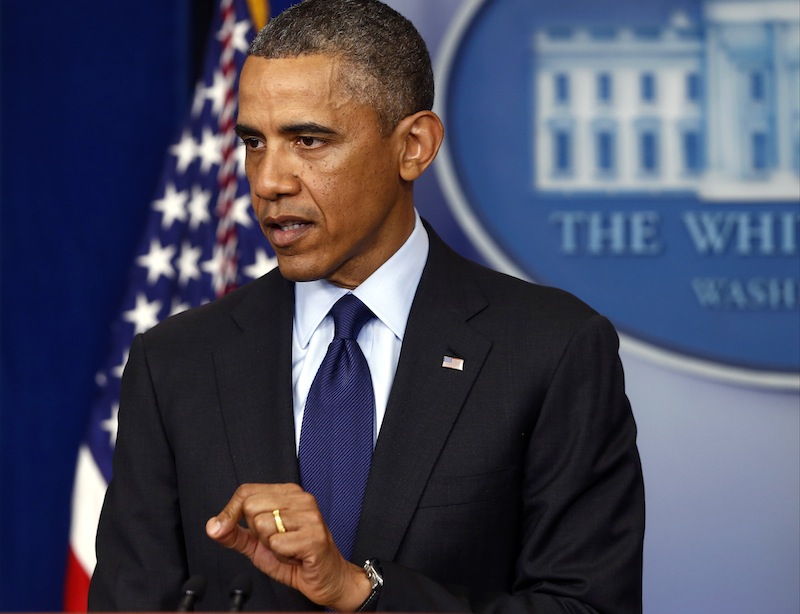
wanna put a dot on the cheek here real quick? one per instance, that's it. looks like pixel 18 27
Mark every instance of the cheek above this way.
pixel 354 180
pixel 256 205
pixel 253 201
pixel 331 192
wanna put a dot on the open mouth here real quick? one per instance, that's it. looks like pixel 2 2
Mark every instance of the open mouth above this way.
pixel 288 227
pixel 282 235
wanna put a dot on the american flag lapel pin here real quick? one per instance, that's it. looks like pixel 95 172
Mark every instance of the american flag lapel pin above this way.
pixel 450 362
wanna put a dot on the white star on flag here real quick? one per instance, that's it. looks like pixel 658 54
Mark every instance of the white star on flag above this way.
pixel 185 151
pixel 216 92
pixel 144 315
pixel 242 212
pixel 238 35
pixel 172 206
pixel 187 263
pixel 209 150
pixel 111 425
pixel 215 266
pixel 158 261
pixel 198 207
pixel 263 265
pixel 178 307
pixel 117 370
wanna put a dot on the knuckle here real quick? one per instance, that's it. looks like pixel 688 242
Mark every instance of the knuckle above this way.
pixel 244 491
pixel 262 524
pixel 306 499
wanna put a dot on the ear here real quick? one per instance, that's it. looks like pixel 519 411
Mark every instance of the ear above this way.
pixel 421 136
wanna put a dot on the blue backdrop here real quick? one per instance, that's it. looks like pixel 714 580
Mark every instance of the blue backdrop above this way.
pixel 91 95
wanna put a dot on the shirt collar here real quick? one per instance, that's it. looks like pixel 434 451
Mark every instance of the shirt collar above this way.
pixel 388 292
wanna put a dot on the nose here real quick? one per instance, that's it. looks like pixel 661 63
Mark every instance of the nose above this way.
pixel 271 176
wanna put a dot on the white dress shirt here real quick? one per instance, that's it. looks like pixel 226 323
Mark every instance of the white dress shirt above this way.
pixel 388 292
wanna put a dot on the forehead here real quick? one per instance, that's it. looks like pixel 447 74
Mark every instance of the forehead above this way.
pixel 309 84
pixel 306 72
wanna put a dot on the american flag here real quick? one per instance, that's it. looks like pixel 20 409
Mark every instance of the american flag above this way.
pixel 200 242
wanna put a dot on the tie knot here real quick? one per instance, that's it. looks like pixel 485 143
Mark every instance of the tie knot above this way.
pixel 349 315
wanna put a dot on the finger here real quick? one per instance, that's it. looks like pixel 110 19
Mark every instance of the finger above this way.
pixel 231 514
pixel 271 509
pixel 265 523
pixel 264 498
pixel 232 536
pixel 225 527
pixel 305 538
pixel 268 522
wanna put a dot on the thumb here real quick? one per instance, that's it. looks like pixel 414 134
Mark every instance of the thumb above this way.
pixel 220 526
pixel 231 535
pixel 216 527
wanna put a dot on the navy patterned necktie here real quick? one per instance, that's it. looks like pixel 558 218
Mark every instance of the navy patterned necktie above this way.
pixel 336 435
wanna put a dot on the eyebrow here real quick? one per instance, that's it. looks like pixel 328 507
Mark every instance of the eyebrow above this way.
pixel 307 128
pixel 243 130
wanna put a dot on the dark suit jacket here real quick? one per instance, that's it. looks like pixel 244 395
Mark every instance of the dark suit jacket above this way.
pixel 511 486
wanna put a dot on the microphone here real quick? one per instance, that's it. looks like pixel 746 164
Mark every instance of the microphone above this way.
pixel 240 592
pixel 193 590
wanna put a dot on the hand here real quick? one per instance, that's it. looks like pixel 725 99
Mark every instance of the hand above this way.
pixel 305 557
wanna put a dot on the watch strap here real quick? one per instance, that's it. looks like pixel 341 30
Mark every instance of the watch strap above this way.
pixel 374 573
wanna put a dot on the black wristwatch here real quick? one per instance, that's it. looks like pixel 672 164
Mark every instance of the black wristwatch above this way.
pixel 372 568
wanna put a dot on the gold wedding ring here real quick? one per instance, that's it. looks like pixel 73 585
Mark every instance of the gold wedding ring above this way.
pixel 279 521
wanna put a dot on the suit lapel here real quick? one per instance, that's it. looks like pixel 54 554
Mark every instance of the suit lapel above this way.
pixel 425 400
pixel 254 380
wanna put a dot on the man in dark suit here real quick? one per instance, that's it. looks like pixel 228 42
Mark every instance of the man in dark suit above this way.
pixel 504 477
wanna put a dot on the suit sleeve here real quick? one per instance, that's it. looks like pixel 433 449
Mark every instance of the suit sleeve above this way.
pixel 582 508
pixel 140 552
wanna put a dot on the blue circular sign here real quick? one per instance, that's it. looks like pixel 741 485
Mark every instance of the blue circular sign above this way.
pixel 626 152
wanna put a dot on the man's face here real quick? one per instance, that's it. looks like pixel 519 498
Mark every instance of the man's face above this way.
pixel 325 185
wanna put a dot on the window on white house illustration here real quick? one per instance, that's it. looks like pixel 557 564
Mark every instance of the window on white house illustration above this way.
pixel 563 152
pixel 648 152
pixel 604 88
pixel 757 90
pixel 605 150
pixel 561 87
pixel 647 87
pixel 759 153
pixel 693 87
pixel 692 152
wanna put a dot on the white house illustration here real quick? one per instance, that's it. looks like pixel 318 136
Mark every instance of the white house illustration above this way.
pixel 711 108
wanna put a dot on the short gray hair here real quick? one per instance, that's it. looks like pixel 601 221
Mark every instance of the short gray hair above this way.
pixel 387 65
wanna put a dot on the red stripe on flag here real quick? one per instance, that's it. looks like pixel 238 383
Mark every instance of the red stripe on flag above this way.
pixel 76 590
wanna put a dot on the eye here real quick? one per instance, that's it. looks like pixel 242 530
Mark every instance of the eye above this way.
pixel 251 142
pixel 310 142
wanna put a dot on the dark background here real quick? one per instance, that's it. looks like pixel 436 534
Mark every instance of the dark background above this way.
pixel 91 94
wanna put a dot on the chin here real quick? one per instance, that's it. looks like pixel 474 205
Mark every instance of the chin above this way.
pixel 293 272
pixel 293 275
pixel 293 269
